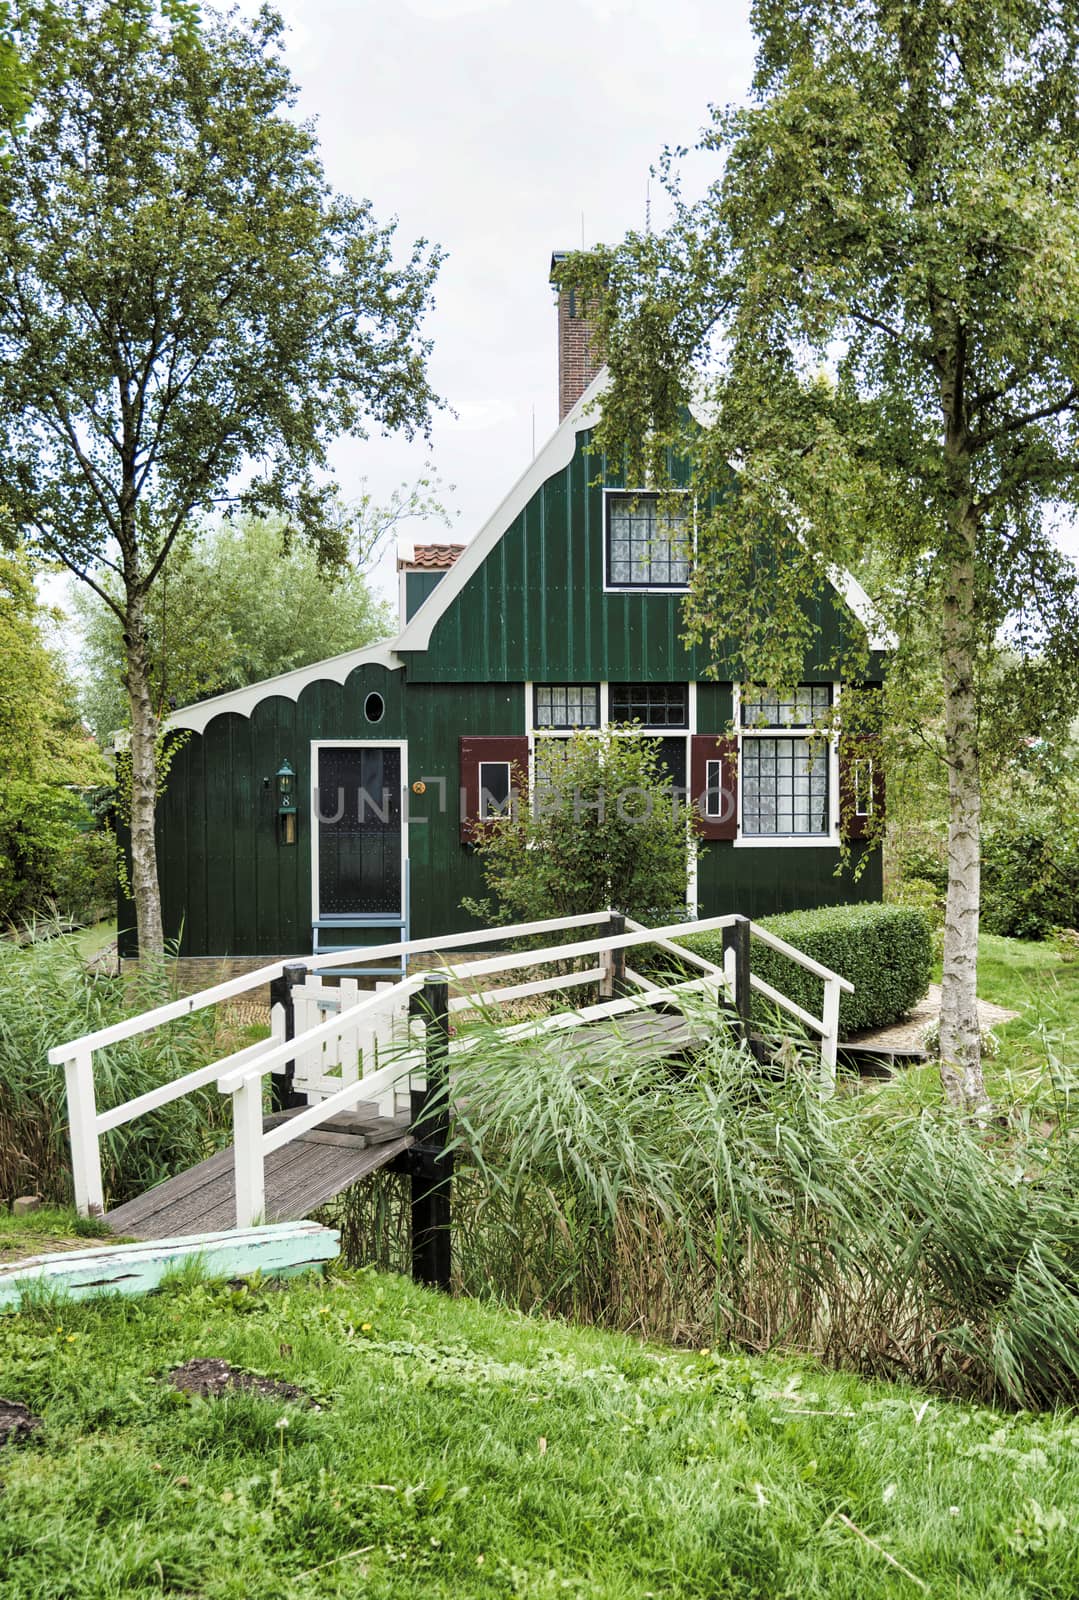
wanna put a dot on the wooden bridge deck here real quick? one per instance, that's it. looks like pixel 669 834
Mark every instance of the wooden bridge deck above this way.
pixel 300 1177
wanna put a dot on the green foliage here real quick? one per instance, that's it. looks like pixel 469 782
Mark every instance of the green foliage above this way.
pixel 46 756
pixel 461 1452
pixel 876 306
pixel 47 996
pixel 885 951
pixel 863 358
pixel 185 304
pixel 600 829
pixel 83 876
pixel 216 302
pixel 235 606
pixel 1030 876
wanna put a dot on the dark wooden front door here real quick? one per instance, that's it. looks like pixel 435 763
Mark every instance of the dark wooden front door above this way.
pixel 358 816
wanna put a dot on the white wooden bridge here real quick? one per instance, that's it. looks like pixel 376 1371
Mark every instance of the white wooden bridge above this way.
pixel 359 1077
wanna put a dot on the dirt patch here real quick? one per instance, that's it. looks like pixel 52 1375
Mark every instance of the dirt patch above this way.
pixel 17 1422
pixel 211 1377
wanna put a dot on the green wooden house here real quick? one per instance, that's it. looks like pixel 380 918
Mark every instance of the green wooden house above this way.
pixel 334 804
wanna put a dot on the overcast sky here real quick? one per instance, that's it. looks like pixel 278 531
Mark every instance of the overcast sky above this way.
pixel 493 127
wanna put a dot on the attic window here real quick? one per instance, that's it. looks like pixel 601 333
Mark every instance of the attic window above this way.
pixel 649 542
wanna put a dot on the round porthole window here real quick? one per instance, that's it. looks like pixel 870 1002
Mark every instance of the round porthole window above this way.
pixel 373 707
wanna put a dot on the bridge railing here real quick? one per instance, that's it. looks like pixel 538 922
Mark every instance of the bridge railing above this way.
pixel 621 989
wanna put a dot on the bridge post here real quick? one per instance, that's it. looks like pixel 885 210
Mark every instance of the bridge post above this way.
pixel 736 966
pixel 614 985
pixel 282 1095
pixel 430 1167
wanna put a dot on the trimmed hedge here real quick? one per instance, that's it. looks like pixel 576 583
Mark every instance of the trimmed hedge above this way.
pixel 885 951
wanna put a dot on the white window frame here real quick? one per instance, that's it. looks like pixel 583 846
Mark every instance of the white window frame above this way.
pixel 789 841
pixel 643 588
pixel 483 794
pixel 863 787
pixel 357 744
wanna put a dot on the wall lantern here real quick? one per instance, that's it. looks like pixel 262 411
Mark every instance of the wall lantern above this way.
pixel 286 803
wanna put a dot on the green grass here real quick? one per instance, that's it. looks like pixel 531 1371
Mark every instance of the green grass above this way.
pixel 51 1228
pixel 1037 1066
pixel 462 1450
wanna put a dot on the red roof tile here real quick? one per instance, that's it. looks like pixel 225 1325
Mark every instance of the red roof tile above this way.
pixel 431 557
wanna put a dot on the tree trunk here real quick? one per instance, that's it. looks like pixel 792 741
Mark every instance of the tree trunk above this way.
pixel 960 1036
pixel 144 884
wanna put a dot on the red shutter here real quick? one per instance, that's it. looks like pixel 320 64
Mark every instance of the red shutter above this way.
pixel 706 747
pixel 854 824
pixel 484 747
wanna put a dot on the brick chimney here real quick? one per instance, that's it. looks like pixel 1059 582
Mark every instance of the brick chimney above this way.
pixel 577 364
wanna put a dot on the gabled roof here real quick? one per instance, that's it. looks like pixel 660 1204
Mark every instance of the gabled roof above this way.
pixel 467 559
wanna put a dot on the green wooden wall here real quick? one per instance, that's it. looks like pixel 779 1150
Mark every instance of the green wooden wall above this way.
pixel 537 610
pixel 229 886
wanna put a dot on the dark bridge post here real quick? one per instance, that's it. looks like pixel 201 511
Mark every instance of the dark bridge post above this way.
pixel 736 940
pixel 430 1166
pixel 613 984
pixel 282 1095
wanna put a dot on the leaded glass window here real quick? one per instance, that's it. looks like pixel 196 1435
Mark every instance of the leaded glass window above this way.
pixel 784 786
pixel 653 705
pixel 810 701
pixel 567 705
pixel 649 542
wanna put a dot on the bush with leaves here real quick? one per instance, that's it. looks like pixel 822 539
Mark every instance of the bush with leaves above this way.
pixel 46 756
pixel 1030 876
pixel 601 827
pixel 885 951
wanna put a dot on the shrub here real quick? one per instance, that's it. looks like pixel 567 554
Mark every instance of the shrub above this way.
pixel 885 951
pixel 1030 877
pixel 84 877
pixel 603 832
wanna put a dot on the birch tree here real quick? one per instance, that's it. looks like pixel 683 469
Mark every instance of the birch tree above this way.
pixel 878 301
pixel 188 312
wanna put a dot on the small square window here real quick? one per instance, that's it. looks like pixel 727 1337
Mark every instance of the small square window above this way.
pixel 649 542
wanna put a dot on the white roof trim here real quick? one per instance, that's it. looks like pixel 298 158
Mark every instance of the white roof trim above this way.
pixel 880 637
pixel 289 685
pixel 556 454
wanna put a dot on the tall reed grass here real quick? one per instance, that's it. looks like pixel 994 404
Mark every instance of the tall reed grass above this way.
pixel 47 996
pixel 708 1202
